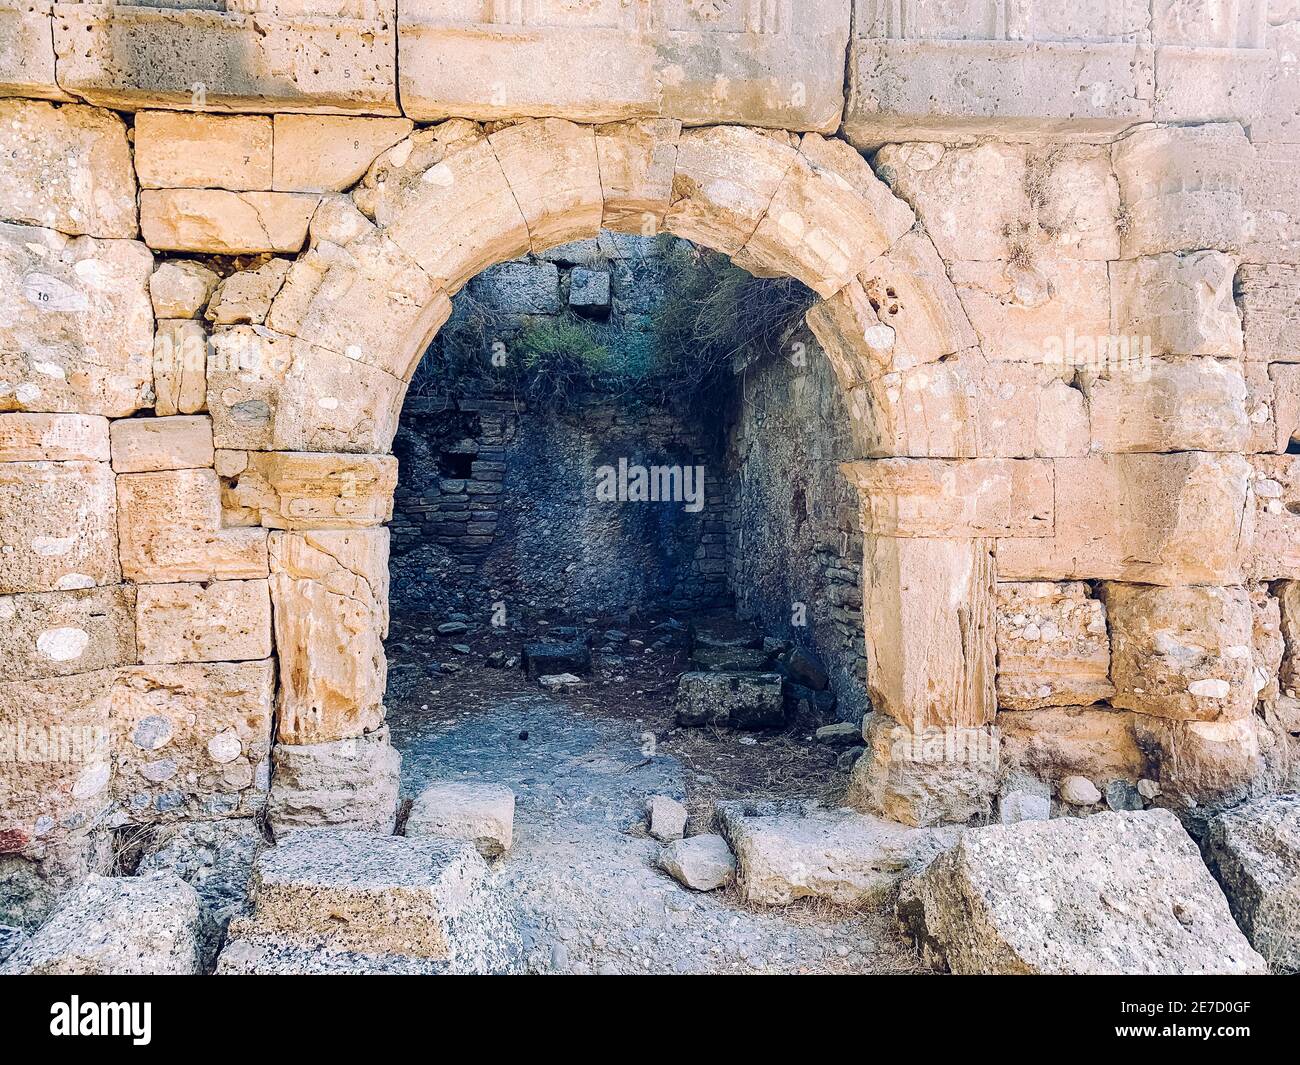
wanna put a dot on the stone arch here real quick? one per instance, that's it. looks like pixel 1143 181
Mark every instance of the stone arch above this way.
pixel 359 306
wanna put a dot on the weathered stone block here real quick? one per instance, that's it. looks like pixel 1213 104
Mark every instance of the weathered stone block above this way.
pixel 171 529
pixel 225 223
pixel 1053 647
pixel 740 700
pixel 144 445
pixel 1180 303
pixel 57 526
pixel 180 357
pixel 245 297
pixel 1160 519
pixel 53 438
pixel 192 740
pixel 349 784
pixel 27 50
pixel 552 169
pixel 322 58
pixel 50 634
pixel 76 326
pixel 1269 297
pixel 224 621
pixel 519 287
pixel 483 814
pixel 328 153
pixel 116 926
pixel 1276 490
pixel 330 590
pixel 180 288
pixel 1184 405
pixel 1112 893
pixel 301 490
pixel 1201 763
pixel 180 150
pixel 701 863
pixel 1056 742
pixel 68 168
pixel 938 498
pixel 637 161
pixel 1285 380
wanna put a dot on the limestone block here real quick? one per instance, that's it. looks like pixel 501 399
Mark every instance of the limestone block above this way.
pixel 1139 898
pixel 942 90
pixel 1261 394
pixel 1053 648
pixel 1046 311
pixel 342 784
pixel 1175 405
pixel 483 814
pixel 319 58
pixel 1182 302
pixel 971 497
pixel 831 216
pixel 665 818
pixel 1268 646
pixel 1058 203
pixel 224 223
pixel 193 740
pixel 1200 763
pixel 57 526
pixel 329 153
pixel 330 590
pixel 52 634
pixel 181 150
pixel 144 445
pixel 116 926
pixel 67 167
pixel 722 698
pixel 1276 489
pixel 1272 228
pixel 701 863
pixel 1056 742
pixel 53 437
pixel 27 50
pixel 847 858
pixel 553 171
pixel 246 369
pixel 1269 296
pixel 1285 380
pixel 1182 653
pixel 927 776
pixel 170 526
pixel 224 621
pixel 637 162
pixel 929 609
pixel 367 300
pixel 1288 594
pixel 777 67
pixel 443 199
pixel 245 297
pixel 180 356
pixel 76 324
pixel 847 328
pixel 300 490
pixel 1254 853
pixel 180 288
pixel 1181 188
pixel 725 179
pixel 1161 519
pixel 58 758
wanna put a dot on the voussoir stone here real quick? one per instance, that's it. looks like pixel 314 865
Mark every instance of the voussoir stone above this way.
pixel 1117 893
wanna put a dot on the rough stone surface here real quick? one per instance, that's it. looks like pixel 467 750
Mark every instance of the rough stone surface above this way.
pixel 847 858
pixel 484 814
pixel 116 926
pixel 1055 742
pixel 220 222
pixel 1053 647
pixel 53 437
pixel 178 150
pixel 144 445
pixel 701 863
pixel 180 288
pixel 50 634
pixel 1112 893
pixel 328 153
pixel 223 621
pixel 346 784
pixel 665 818
pixel 1254 853
pixel 740 700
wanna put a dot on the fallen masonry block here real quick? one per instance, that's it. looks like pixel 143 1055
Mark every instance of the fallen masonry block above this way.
pixel 116 926
pixel 1114 893
pixel 784 853
pixel 325 892
pixel 741 700
pixel 482 813
pixel 1254 853
pixel 545 658
pixel 701 863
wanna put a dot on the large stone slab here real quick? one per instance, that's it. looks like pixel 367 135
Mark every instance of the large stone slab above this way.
pixel 1115 893
pixel 218 222
pixel 178 150
pixel 53 437
pixel 221 621
pixel 76 323
pixel 1269 296
pixel 483 814
pixel 330 590
pixel 1160 519
pixel 27 50
pixel 192 740
pixel 57 526
pixel 847 858
pixel 147 445
pixel 68 168
pixel 116 926
pixel 51 634
pixel 1053 647
pixel 1254 853
pixel 349 784
pixel 1181 303
pixel 329 153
